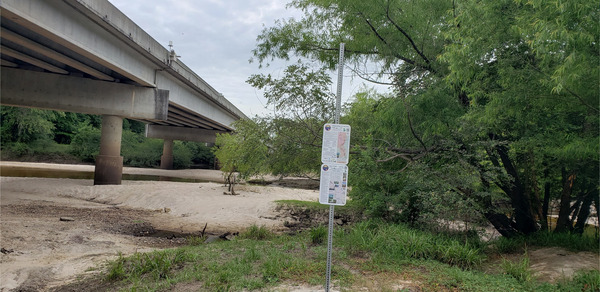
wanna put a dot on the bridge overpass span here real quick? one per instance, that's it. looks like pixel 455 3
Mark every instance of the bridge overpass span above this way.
pixel 87 56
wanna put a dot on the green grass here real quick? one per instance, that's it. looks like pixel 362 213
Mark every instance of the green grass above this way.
pixel 256 233
pixel 318 235
pixel 573 242
pixel 394 242
pixel 518 270
pixel 261 260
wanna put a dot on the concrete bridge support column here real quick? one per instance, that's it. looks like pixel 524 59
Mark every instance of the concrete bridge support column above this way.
pixel 166 160
pixel 109 163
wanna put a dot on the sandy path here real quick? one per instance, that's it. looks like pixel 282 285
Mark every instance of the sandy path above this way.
pixel 40 251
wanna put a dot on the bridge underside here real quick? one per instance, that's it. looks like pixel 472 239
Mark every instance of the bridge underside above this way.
pixel 85 56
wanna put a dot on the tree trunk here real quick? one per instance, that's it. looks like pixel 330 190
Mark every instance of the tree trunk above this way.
pixel 546 204
pixel 524 217
pixel 584 212
pixel 502 224
pixel 563 224
pixel 533 181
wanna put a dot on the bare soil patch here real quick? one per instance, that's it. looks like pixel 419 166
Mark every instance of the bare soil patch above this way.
pixel 40 251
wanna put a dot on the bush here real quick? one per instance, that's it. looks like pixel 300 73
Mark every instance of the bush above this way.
pixel 86 143
pixel 18 149
pixel 139 151
pixel 182 156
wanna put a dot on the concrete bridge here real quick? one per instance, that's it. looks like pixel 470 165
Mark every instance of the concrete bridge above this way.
pixel 86 56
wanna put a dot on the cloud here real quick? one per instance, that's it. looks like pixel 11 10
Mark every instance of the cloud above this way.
pixel 214 38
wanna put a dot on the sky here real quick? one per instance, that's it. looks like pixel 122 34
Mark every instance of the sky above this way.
pixel 215 39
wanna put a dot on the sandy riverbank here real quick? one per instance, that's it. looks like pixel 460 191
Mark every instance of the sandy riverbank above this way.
pixel 40 250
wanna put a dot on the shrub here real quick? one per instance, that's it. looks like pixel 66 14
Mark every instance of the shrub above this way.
pixel 182 155
pixel 18 149
pixel 86 143
pixel 139 151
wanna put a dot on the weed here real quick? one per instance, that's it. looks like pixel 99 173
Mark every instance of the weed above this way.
pixel 587 280
pixel 194 240
pixel 518 270
pixel 436 261
pixel 116 270
pixel 574 242
pixel 318 234
pixel 256 233
pixel 394 242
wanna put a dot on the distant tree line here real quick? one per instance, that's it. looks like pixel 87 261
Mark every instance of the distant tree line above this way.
pixel 53 136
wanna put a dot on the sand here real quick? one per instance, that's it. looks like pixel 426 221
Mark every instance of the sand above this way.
pixel 41 251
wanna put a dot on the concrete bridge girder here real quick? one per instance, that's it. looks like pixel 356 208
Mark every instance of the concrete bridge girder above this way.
pixel 74 94
pixel 168 134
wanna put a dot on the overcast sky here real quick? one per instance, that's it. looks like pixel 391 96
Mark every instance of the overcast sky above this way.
pixel 215 39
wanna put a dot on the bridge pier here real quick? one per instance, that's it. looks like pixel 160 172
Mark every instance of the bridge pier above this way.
pixel 166 160
pixel 109 163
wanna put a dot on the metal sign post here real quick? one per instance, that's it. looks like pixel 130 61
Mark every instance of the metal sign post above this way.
pixel 338 106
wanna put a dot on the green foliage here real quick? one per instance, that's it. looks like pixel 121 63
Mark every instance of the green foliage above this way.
pixel 256 233
pixel 134 126
pixel 582 281
pixel 318 235
pixel 157 265
pixel 182 155
pixel 367 249
pixel 302 93
pixel 223 266
pixel 139 151
pixel 394 242
pixel 195 240
pixel 477 126
pixel 201 154
pixel 570 241
pixel 86 143
pixel 245 151
pixel 27 124
pixel 17 149
pixel 518 270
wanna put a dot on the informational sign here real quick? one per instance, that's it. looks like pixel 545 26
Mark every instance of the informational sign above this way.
pixel 336 143
pixel 334 184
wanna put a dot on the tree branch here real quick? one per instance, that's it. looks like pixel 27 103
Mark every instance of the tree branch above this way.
pixel 412 43
pixel 566 88
pixel 374 30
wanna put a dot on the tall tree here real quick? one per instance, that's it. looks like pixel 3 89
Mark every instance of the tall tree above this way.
pixel 488 96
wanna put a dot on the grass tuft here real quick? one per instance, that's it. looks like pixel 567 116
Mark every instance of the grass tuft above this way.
pixel 318 234
pixel 395 242
pixel 573 242
pixel 256 233
pixel 518 270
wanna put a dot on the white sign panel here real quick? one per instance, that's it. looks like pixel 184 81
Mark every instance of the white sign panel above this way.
pixel 336 143
pixel 334 184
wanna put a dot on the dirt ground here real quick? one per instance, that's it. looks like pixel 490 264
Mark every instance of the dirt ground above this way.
pixel 53 230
